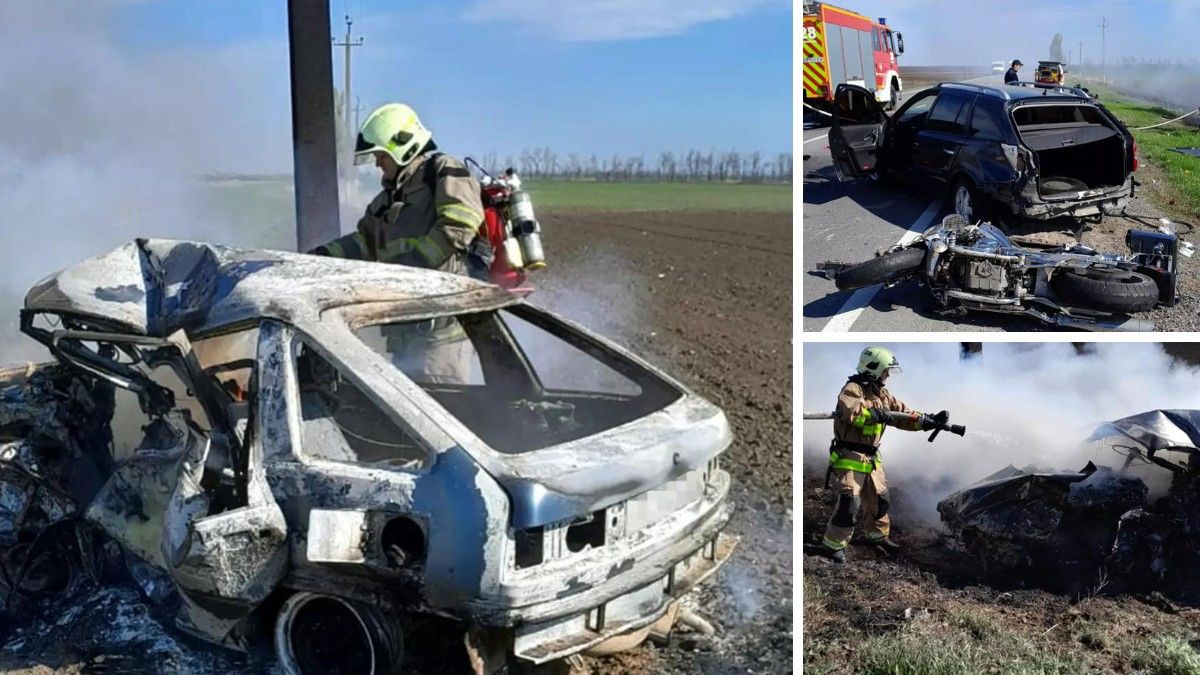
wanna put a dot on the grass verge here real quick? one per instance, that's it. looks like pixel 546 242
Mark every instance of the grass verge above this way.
pixel 1156 146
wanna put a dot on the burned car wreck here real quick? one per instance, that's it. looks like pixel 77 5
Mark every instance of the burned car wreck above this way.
pixel 306 451
pixel 1133 528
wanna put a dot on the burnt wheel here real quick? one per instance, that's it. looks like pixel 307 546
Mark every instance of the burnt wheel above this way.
pixel 325 634
pixel 1105 288
pixel 879 270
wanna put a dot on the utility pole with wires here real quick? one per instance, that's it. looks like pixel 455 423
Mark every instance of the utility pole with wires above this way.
pixel 357 108
pixel 1081 57
pixel 1103 27
pixel 348 43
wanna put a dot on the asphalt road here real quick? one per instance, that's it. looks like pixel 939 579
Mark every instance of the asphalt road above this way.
pixel 849 222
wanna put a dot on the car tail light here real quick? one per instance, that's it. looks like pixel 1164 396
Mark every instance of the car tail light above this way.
pixel 1014 156
pixel 1135 157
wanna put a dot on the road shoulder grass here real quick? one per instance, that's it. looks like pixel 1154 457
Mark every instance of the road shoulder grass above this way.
pixel 1178 187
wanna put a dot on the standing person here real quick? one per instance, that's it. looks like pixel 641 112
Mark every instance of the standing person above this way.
pixel 427 215
pixel 864 408
pixel 1010 75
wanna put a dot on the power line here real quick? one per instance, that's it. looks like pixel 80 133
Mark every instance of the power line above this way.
pixel 348 43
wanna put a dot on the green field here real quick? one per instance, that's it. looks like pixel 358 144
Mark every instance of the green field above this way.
pixel 262 213
pixel 549 194
pixel 1182 172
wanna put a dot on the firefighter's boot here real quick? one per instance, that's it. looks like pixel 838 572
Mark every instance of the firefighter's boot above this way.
pixel 837 556
pixel 885 545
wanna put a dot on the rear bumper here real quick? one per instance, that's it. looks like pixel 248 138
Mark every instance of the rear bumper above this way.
pixel 1036 207
pixel 559 638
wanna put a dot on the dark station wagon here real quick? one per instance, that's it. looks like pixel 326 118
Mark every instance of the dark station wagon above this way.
pixel 999 152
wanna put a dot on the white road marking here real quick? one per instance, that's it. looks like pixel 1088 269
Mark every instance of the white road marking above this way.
pixel 861 298
pixel 815 138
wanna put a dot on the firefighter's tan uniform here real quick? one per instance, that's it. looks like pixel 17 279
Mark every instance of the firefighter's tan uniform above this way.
pixel 411 224
pixel 426 218
pixel 855 462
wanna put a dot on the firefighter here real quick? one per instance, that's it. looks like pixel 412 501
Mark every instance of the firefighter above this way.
pixel 864 407
pixel 1010 75
pixel 427 215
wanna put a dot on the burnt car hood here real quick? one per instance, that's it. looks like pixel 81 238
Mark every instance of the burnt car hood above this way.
pixel 1156 429
pixel 157 286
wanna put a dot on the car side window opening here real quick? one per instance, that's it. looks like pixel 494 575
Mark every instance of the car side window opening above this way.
pixel 855 109
pixel 984 125
pixel 917 110
pixel 340 423
pixel 945 112
pixel 537 383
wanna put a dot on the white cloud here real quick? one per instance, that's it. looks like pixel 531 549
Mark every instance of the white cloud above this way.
pixel 600 20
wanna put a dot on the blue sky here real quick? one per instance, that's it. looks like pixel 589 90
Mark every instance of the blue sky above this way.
pixel 942 32
pixel 584 76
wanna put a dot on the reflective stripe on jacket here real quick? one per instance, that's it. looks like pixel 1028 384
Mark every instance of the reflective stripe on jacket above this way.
pixel 427 219
pixel 852 422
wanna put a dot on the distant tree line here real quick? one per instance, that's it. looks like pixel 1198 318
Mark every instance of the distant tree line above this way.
pixel 670 166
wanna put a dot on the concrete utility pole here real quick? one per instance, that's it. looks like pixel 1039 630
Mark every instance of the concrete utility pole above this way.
pixel 348 43
pixel 1081 57
pixel 357 108
pixel 314 145
pixel 1103 69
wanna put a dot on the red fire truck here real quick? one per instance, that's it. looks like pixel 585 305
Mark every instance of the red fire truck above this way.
pixel 844 46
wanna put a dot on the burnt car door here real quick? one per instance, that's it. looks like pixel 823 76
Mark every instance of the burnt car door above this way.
pixel 857 132
pixel 937 144
pixel 191 501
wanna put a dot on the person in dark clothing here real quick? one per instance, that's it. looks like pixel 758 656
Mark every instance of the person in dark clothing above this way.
pixel 1010 76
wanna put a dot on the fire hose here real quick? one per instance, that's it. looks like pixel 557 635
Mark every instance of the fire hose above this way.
pixel 890 418
pixel 1163 124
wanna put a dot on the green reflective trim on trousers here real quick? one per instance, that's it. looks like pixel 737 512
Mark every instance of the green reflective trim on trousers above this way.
pixel 876 536
pixel 833 544
pixel 844 463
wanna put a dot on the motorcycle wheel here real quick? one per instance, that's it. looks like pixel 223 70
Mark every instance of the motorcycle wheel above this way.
pixel 1105 288
pixel 879 270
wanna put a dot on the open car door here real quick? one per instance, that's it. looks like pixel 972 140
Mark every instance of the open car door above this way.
pixel 856 137
pixel 193 503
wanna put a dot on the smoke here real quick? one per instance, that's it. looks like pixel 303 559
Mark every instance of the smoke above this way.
pixel 1022 403
pixel 101 143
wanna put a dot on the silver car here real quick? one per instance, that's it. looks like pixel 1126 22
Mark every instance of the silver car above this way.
pixel 315 451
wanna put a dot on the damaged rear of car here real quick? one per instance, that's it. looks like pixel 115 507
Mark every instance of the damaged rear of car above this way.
pixel 332 446
pixel 1032 152
pixel 1100 527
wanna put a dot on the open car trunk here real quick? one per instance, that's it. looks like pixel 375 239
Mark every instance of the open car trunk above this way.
pixel 1075 148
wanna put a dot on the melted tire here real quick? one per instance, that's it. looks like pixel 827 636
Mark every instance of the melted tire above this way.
pixel 879 270
pixel 1105 289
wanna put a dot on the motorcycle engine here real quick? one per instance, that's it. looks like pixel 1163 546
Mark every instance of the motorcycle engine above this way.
pixel 982 276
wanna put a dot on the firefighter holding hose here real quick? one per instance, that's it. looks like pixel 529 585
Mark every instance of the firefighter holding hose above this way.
pixel 864 408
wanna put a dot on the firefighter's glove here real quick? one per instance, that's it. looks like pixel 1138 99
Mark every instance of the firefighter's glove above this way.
pixel 927 422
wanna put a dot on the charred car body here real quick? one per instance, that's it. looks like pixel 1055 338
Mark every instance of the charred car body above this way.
pixel 299 456
pixel 975 267
pixel 1097 528
pixel 1029 151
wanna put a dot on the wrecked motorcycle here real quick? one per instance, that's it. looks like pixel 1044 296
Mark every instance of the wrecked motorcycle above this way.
pixel 976 267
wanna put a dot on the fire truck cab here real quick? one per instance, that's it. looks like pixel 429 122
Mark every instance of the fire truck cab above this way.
pixel 841 46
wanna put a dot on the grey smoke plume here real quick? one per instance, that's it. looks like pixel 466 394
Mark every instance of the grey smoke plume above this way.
pixel 1022 404
pixel 100 144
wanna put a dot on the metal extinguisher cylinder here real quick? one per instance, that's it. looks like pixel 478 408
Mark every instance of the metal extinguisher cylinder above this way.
pixel 528 232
